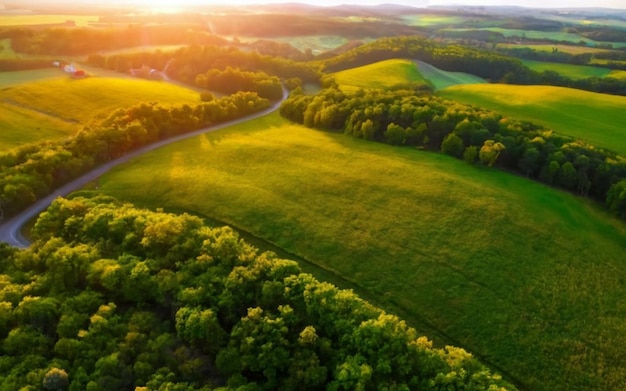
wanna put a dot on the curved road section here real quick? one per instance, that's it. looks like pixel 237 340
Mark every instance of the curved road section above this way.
pixel 10 230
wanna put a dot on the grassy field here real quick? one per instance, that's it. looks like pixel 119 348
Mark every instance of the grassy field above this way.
pixel 571 49
pixel 383 74
pixel 442 79
pixel 596 118
pixel 536 34
pixel 523 275
pixel 568 70
pixel 55 107
pixel 434 20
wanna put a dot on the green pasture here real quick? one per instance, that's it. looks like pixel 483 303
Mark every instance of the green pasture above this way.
pixel 51 108
pixel 571 49
pixel 568 70
pixel 34 20
pixel 317 43
pixel 8 79
pixel 434 20
pixel 536 34
pixel 597 118
pixel 524 276
pixel 383 74
pixel 441 79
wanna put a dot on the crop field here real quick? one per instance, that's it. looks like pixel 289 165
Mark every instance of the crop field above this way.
pixel 434 20
pixel 523 275
pixel 34 20
pixel 57 107
pixel 384 74
pixel 317 43
pixel 442 79
pixel 596 118
pixel 568 70
pixel 552 35
pixel 571 49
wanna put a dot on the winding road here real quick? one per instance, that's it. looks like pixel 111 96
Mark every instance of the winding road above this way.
pixel 10 230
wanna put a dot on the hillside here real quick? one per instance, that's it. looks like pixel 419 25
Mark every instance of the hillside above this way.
pixel 383 74
pixel 442 79
pixel 596 118
pixel 55 107
pixel 490 261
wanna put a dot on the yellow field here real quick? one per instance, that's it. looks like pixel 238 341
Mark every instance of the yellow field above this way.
pixel 383 74
pixel 52 108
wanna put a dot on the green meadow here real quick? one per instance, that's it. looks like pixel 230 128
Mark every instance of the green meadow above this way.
pixel 568 70
pixel 597 118
pixel 383 74
pixel 561 36
pixel 571 49
pixel 55 107
pixel 441 79
pixel 523 275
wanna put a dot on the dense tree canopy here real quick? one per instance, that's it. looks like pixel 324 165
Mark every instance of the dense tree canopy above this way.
pixel 113 297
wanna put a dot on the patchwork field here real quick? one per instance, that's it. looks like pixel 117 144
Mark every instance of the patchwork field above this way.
pixel 596 118
pixel 568 70
pixel 571 49
pixel 384 74
pixel 523 275
pixel 536 34
pixel 441 79
pixel 55 107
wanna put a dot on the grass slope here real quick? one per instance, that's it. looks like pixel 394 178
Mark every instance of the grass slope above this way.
pixel 596 118
pixel 524 275
pixel 51 108
pixel 383 74
pixel 568 70
pixel 442 79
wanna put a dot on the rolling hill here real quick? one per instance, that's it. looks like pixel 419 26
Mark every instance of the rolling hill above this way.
pixel 596 118
pixel 383 74
pixel 54 107
pixel 522 275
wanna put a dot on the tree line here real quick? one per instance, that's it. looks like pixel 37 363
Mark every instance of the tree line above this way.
pixel 186 63
pixel 110 297
pixel 59 41
pixel 33 171
pixel 232 80
pixel 475 135
pixel 456 58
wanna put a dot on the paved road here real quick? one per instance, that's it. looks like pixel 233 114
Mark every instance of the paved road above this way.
pixel 10 229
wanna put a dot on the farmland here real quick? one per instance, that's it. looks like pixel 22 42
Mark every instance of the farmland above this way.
pixel 596 118
pixel 385 74
pixel 74 103
pixel 441 79
pixel 559 36
pixel 514 268
pixel 568 70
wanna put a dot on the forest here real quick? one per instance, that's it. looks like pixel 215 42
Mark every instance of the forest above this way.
pixel 111 297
